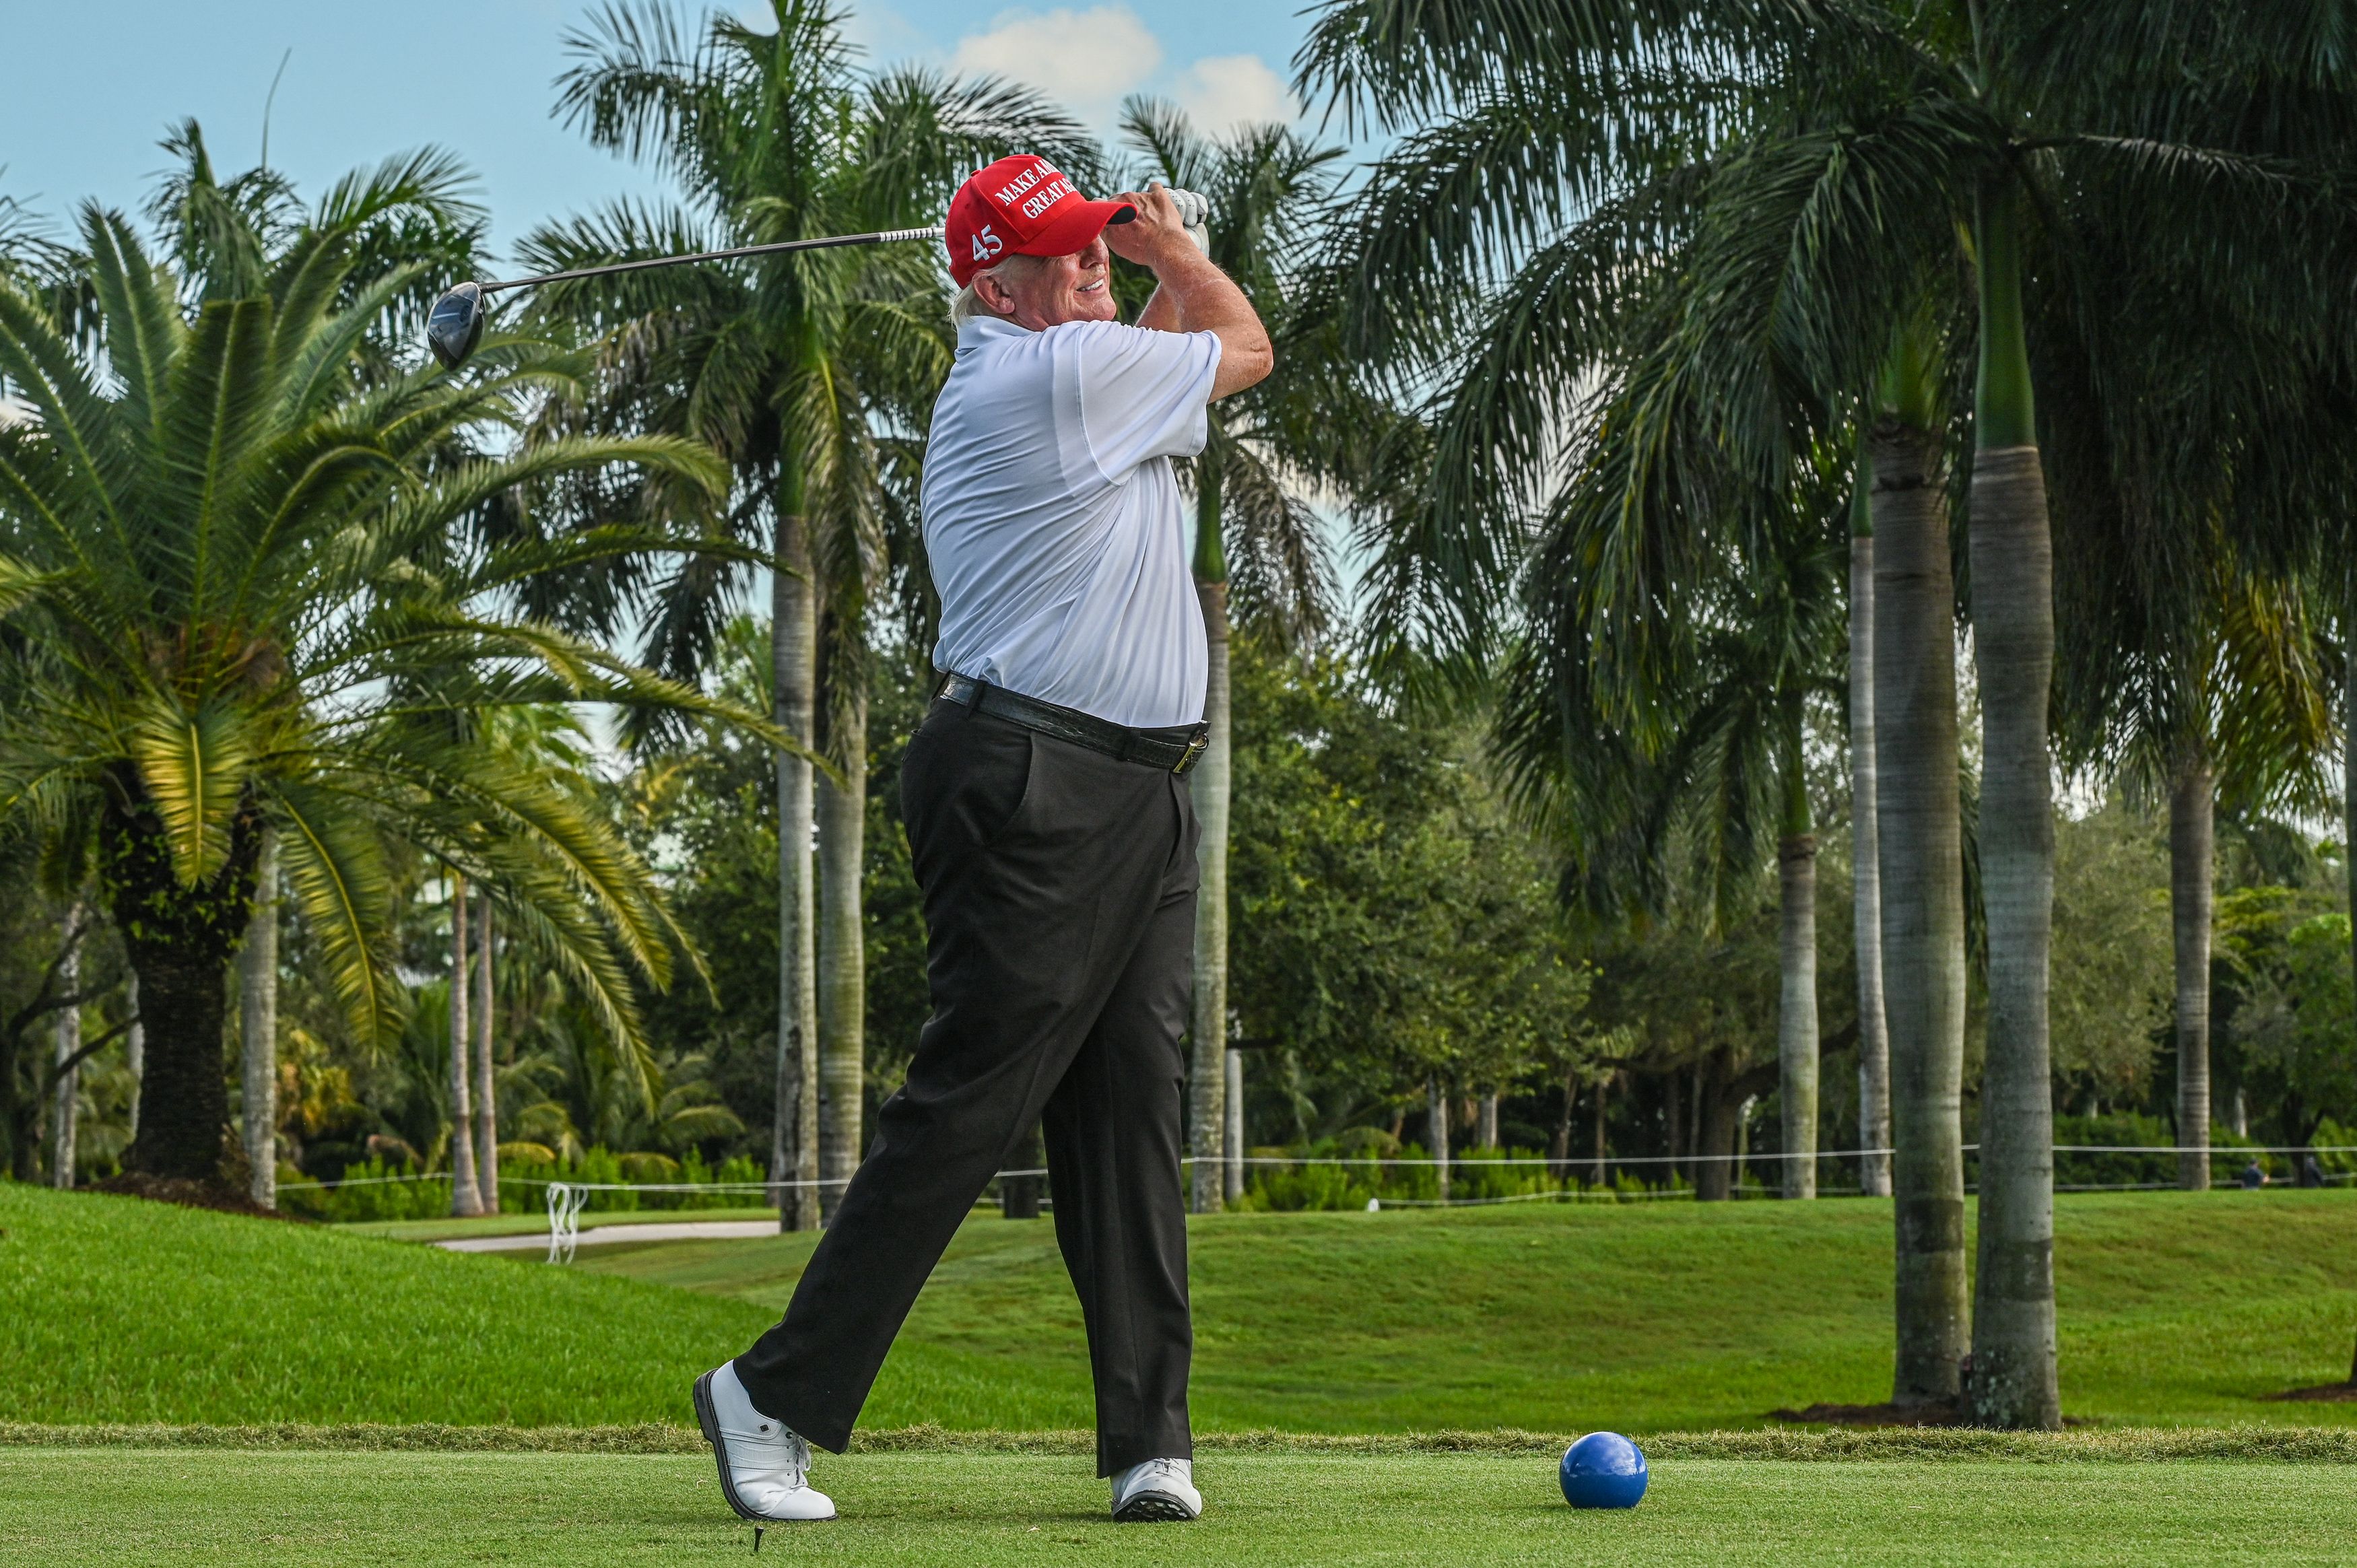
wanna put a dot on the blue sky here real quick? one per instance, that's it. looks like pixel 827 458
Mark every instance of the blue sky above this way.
pixel 93 89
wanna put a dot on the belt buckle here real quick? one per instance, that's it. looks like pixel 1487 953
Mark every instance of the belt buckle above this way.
pixel 1197 744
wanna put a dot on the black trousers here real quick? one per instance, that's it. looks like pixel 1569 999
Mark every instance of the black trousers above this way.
pixel 1060 912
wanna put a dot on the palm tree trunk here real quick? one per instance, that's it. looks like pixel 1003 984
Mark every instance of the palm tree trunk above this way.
pixel 1677 1150
pixel 1743 1140
pixel 1436 1097
pixel 487 1094
pixel 1713 1133
pixel 257 1016
pixel 1796 1011
pixel 1603 1089
pixel 134 1053
pixel 1212 780
pixel 181 939
pixel 1921 865
pixel 1234 1097
pixel 842 956
pixel 65 1109
pixel 465 1196
pixel 2013 639
pixel 793 651
pixel 1865 871
pixel 1559 1145
pixel 2191 887
pixel 2347 781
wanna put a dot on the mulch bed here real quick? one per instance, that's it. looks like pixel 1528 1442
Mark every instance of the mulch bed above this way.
pixel 1868 1415
pixel 188 1194
pixel 1873 1415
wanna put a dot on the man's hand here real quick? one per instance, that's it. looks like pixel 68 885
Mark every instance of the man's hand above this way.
pixel 1193 294
pixel 1195 212
pixel 1150 239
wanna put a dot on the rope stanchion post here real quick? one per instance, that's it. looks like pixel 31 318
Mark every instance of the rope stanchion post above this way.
pixel 564 1202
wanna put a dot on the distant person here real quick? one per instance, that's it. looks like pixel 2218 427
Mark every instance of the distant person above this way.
pixel 2252 1176
pixel 1051 831
pixel 2310 1173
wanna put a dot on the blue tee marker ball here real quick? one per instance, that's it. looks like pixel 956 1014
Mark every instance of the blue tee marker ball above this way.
pixel 1603 1470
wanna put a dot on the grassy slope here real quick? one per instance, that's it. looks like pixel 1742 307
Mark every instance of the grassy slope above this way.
pixel 914 1509
pixel 2175 1307
pixel 112 1309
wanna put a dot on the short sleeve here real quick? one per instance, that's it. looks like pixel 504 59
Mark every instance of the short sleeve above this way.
pixel 1143 394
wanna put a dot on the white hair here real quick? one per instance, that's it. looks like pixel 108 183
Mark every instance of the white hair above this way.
pixel 968 305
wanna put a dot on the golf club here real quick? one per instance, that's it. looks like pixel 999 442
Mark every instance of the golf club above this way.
pixel 456 323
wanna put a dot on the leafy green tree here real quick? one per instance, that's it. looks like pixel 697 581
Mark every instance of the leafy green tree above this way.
pixel 799 371
pixel 2290 1005
pixel 1395 930
pixel 235 604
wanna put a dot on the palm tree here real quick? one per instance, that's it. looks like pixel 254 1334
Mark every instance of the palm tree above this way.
pixel 1921 869
pixel 466 1176
pixel 1267 189
pixel 1865 847
pixel 230 556
pixel 788 370
pixel 2200 684
pixel 1699 751
pixel 1842 169
pixel 257 1018
pixel 410 216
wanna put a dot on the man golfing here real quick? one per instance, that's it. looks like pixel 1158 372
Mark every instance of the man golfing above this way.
pixel 1052 834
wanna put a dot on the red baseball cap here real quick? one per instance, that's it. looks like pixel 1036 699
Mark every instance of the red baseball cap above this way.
pixel 1022 206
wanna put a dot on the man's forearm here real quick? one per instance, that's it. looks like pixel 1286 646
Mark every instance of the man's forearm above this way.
pixel 1192 294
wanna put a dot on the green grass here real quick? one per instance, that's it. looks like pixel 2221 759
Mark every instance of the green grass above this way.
pixel 114 1309
pixel 448 1230
pixel 424 1510
pixel 2176 1308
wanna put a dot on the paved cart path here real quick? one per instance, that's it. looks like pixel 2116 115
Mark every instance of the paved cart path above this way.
pixel 679 1231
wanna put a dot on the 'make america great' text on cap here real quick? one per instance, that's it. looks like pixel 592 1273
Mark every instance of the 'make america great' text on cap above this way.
pixel 1022 206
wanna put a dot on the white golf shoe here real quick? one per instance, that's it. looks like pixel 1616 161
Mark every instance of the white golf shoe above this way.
pixel 764 1463
pixel 1159 1491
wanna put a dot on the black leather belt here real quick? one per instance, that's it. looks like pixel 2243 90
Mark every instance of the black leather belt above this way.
pixel 1172 753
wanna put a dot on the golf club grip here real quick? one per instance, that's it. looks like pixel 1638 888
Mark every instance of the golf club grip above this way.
pixel 881 237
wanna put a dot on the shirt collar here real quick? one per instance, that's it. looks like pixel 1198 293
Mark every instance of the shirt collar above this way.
pixel 978 330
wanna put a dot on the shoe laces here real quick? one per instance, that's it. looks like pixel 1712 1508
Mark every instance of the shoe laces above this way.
pixel 795 1458
pixel 1153 1470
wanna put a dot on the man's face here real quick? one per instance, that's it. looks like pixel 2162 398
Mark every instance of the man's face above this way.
pixel 1047 291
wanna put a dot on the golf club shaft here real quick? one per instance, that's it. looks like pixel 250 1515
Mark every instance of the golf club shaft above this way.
pixel 882 236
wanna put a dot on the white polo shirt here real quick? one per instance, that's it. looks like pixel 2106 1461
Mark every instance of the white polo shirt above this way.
pixel 1053 518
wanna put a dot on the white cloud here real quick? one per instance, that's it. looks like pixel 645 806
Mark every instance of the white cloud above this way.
pixel 1223 91
pixel 1087 60
pixel 877 30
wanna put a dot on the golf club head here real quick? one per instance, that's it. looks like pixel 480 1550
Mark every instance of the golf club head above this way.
pixel 456 325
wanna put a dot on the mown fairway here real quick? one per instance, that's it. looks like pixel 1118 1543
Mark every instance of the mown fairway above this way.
pixel 424 1510
pixel 2176 1308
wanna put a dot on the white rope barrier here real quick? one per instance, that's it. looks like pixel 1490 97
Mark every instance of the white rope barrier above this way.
pixel 1292 1161
pixel 565 1200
